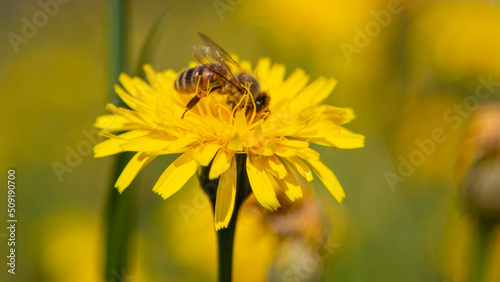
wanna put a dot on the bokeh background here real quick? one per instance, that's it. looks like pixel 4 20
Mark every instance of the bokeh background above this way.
pixel 402 66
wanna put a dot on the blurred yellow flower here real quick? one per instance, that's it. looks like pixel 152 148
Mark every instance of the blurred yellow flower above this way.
pixel 481 138
pixel 69 245
pixel 456 56
pixel 478 162
pixel 277 147
pixel 301 233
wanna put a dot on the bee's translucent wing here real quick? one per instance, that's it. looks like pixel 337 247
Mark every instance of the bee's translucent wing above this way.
pixel 213 57
pixel 204 55
pixel 218 53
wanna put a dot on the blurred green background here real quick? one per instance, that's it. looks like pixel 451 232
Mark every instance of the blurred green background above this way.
pixel 402 66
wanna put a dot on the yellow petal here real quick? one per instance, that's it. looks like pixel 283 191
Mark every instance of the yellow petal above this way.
pixel 275 166
pixel 313 94
pixel 258 134
pixel 226 192
pixel 132 102
pixel 114 123
pixel 278 126
pixel 301 167
pixel 267 148
pixel 318 128
pixel 261 184
pixel 272 75
pixel 349 115
pixel 235 144
pixel 290 185
pixel 134 166
pixel 345 114
pixel 308 153
pixel 293 143
pixel 136 87
pixel 221 163
pixel 288 148
pixel 107 148
pixel 130 115
pixel 205 153
pixel 245 65
pixel 286 152
pixel 214 125
pixel 321 141
pixel 262 67
pixel 151 142
pixel 182 143
pixel 275 76
pixel 322 93
pixel 295 82
pixel 112 146
pixel 240 124
pixel 328 178
pixel 176 175
pixel 347 140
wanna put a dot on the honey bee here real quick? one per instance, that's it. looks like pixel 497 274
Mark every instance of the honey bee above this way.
pixel 220 73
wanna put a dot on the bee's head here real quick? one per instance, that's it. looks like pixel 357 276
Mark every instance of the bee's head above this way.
pixel 262 102
pixel 248 79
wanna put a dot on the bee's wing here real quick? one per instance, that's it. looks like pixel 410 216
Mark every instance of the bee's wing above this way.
pixel 213 53
pixel 218 53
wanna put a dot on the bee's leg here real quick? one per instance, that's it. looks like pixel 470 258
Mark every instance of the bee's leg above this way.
pixel 248 110
pixel 265 114
pixel 232 103
pixel 199 94
pixel 216 88
pixel 194 101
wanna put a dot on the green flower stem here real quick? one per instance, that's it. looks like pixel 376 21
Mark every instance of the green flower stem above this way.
pixel 225 243
pixel 117 46
pixel 121 208
pixel 225 236
pixel 481 249
pixel 121 221
pixel 152 41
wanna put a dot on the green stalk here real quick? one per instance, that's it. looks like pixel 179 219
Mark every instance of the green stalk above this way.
pixel 152 40
pixel 482 243
pixel 118 47
pixel 225 236
pixel 121 208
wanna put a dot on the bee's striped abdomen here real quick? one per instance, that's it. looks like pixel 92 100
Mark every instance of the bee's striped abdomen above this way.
pixel 187 80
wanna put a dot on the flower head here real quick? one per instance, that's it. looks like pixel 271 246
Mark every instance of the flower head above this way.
pixel 478 162
pixel 213 133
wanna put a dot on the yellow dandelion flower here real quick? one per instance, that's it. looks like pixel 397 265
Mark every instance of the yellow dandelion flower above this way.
pixel 276 145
